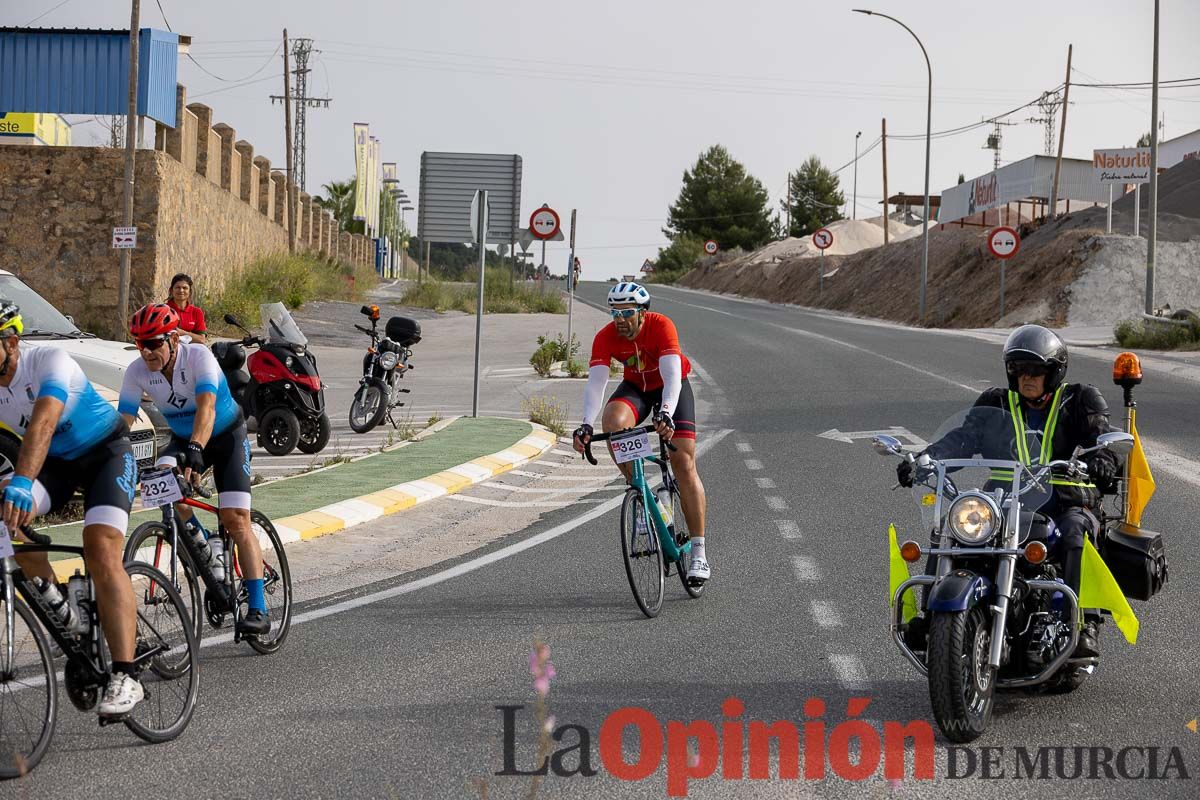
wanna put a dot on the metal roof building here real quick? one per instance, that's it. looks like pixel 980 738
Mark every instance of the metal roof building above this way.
pixel 78 71
pixel 1029 179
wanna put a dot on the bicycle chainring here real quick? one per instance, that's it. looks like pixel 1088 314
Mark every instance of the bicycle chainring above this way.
pixel 83 692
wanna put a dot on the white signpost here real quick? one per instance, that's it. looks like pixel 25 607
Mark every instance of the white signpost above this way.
pixel 124 238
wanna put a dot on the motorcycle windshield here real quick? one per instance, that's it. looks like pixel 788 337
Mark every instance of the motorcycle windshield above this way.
pixel 279 327
pixel 976 449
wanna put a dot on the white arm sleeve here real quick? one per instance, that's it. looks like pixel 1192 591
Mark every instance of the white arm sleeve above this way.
pixel 671 369
pixel 593 395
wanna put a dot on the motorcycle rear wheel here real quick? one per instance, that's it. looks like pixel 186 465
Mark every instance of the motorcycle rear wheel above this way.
pixel 368 407
pixel 961 682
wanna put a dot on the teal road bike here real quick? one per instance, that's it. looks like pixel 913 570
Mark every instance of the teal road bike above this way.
pixel 650 541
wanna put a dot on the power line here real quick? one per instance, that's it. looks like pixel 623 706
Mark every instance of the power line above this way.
pixel 301 50
pixel 202 68
pixel 44 13
pixel 237 86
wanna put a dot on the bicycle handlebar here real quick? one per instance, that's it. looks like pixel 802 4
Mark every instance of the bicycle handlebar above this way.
pixel 34 536
pixel 600 437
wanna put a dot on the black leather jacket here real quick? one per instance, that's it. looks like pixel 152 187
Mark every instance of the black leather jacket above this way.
pixel 1082 416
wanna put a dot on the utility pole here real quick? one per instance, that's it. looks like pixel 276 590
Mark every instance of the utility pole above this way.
pixel 301 50
pixel 130 132
pixel 291 165
pixel 886 221
pixel 1152 243
pixel 1061 136
pixel 787 232
pixel 854 211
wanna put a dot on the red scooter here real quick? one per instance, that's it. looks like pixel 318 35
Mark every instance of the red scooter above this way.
pixel 282 392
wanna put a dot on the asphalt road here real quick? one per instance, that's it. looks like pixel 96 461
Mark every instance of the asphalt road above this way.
pixel 395 694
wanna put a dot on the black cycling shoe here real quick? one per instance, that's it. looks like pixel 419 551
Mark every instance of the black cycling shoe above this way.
pixel 254 623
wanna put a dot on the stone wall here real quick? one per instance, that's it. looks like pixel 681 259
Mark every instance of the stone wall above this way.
pixel 204 204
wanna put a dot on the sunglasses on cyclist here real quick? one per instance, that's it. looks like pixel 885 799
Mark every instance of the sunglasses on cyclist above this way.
pixel 623 313
pixel 151 344
pixel 1031 370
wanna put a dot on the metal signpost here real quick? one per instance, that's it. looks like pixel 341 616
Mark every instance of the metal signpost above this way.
pixel 1003 242
pixel 544 224
pixel 479 229
pixel 822 239
pixel 571 285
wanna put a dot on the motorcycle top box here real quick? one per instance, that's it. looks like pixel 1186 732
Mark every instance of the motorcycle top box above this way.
pixel 403 331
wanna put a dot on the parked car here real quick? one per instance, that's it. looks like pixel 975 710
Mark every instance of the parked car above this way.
pixel 103 361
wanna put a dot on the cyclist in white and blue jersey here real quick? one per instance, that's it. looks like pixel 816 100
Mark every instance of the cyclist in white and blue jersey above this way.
pixel 72 439
pixel 186 383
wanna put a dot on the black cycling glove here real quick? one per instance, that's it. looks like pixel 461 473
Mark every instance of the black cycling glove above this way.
pixel 193 457
pixel 1103 473
pixel 583 431
pixel 664 418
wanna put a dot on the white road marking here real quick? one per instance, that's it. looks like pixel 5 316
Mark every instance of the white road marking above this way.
pixel 565 490
pixel 826 614
pixel 849 670
pixel 753 464
pixel 806 569
pixel 602 477
pixel 558 451
pixel 765 483
pixel 776 503
pixel 482 501
pixel 744 447
pixel 788 529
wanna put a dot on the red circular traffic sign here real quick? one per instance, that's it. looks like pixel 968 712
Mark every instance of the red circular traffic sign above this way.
pixel 1004 242
pixel 711 247
pixel 822 239
pixel 544 223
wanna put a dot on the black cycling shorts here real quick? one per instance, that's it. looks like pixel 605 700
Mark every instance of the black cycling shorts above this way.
pixel 107 475
pixel 228 454
pixel 642 403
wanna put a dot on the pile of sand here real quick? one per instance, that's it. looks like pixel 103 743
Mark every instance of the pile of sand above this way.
pixel 849 237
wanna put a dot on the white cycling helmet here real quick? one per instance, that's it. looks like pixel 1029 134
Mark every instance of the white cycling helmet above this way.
pixel 628 293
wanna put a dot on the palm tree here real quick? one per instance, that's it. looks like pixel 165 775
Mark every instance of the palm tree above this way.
pixel 340 201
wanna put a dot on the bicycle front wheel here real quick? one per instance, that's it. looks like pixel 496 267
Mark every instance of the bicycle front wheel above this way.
pixel 277 585
pixel 167 650
pixel 28 693
pixel 643 556
pixel 150 543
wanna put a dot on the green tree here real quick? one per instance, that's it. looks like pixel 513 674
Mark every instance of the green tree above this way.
pixel 679 256
pixel 961 178
pixel 719 200
pixel 339 198
pixel 815 198
pixel 1144 140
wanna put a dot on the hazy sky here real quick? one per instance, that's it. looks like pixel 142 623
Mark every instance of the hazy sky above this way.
pixel 608 102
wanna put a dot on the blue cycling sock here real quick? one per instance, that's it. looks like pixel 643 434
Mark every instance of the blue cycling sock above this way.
pixel 254 588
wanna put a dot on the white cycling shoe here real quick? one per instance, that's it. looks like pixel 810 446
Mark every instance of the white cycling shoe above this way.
pixel 121 695
pixel 698 571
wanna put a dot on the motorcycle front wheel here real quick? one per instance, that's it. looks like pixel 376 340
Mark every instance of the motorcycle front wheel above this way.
pixel 314 434
pixel 961 682
pixel 369 406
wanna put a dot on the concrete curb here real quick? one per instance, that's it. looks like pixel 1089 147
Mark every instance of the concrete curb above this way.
pixel 347 513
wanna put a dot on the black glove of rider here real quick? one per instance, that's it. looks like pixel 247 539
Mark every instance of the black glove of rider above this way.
pixel 1103 473
pixel 904 473
pixel 582 432
pixel 193 458
pixel 664 418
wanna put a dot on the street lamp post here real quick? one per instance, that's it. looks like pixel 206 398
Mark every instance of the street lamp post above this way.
pixel 928 139
pixel 854 210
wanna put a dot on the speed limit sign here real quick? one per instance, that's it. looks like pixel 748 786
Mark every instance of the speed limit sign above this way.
pixel 711 247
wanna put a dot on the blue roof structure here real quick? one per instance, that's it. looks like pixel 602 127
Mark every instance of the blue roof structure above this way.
pixel 77 71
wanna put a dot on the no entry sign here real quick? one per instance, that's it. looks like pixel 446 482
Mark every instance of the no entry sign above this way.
pixel 543 223
pixel 822 239
pixel 1004 242
pixel 711 247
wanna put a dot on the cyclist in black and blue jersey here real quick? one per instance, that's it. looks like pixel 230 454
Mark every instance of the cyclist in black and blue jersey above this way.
pixel 186 383
pixel 72 439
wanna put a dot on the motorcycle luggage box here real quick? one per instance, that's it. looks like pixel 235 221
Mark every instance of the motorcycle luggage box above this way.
pixel 1137 559
pixel 403 330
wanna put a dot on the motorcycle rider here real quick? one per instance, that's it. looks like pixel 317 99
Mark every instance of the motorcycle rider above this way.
pixel 1051 418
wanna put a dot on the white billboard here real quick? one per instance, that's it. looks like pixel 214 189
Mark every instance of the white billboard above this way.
pixel 1123 166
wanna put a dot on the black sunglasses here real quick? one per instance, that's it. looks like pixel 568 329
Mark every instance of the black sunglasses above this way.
pixel 150 344
pixel 1032 370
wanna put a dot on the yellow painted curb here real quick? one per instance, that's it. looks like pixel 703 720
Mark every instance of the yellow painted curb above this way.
pixel 526 450
pixel 321 524
pixel 494 464
pixel 449 481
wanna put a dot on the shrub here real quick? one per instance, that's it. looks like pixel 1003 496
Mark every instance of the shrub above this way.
pixel 548 411
pixel 500 296
pixel 550 351
pixel 1158 335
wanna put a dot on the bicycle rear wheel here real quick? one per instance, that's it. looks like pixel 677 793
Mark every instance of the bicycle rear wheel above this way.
pixel 643 556
pixel 28 693
pixel 167 647
pixel 277 585
pixel 150 543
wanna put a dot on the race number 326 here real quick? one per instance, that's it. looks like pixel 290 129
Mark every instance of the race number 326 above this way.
pixel 631 447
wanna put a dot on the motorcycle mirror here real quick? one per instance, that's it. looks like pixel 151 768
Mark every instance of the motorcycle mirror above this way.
pixel 1118 442
pixel 886 445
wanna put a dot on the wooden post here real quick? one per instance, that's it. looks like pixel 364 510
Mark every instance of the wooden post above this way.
pixel 1062 134
pixel 885 192
pixel 124 275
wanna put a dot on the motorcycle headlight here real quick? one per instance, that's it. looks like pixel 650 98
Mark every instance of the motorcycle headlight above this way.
pixel 388 360
pixel 973 518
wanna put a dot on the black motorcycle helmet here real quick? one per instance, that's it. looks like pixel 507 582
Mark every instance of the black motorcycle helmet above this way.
pixel 1033 344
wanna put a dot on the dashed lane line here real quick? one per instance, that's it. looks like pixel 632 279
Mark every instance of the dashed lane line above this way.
pixel 849 670
pixel 806 569
pixel 765 483
pixel 744 447
pixel 776 503
pixel 788 529
pixel 753 464
pixel 826 614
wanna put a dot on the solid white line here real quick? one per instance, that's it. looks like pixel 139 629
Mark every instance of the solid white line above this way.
pixel 849 670
pixel 753 464
pixel 776 503
pixel 463 498
pixel 805 569
pixel 788 529
pixel 468 566
pixel 826 614
pixel 765 483
pixel 564 490
pixel 744 447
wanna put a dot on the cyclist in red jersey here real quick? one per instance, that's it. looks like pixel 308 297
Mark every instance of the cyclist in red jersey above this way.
pixel 656 375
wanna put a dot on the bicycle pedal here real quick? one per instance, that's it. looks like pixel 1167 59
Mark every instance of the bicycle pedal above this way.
pixel 116 720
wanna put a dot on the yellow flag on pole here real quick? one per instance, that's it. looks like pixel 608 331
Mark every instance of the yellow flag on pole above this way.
pixel 1141 482
pixel 898 574
pixel 1098 589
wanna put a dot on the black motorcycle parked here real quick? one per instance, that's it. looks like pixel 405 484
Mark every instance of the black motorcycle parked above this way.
pixel 385 363
pixel 282 391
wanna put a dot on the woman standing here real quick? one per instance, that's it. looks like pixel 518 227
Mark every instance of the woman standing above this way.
pixel 191 317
